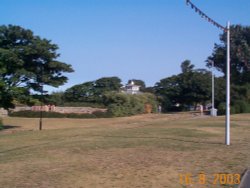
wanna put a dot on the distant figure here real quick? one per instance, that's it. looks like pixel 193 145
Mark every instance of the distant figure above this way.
pixel 159 109
pixel 201 109
pixel 148 108
pixel 52 108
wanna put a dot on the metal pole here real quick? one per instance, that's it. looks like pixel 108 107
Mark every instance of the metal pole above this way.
pixel 228 87
pixel 41 119
pixel 213 113
pixel 41 111
pixel 42 101
pixel 203 15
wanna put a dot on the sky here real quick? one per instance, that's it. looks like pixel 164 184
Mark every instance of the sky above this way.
pixel 131 39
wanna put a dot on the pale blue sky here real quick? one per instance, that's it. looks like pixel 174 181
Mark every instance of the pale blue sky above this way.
pixel 141 39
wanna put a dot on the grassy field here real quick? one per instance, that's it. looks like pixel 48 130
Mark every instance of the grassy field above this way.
pixel 140 151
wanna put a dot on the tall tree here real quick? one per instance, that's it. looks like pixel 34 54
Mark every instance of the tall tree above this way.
pixel 190 87
pixel 27 61
pixel 106 84
pixel 84 92
pixel 92 91
pixel 186 66
pixel 239 51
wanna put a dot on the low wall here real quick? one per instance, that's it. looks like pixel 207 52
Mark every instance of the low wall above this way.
pixel 77 110
pixel 3 113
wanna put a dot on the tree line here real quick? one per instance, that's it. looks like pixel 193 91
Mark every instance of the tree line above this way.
pixel 28 62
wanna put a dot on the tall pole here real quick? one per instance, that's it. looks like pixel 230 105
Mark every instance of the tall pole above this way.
pixel 42 100
pixel 41 112
pixel 213 113
pixel 225 29
pixel 228 87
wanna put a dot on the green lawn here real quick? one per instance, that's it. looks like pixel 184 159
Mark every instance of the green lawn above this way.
pixel 140 151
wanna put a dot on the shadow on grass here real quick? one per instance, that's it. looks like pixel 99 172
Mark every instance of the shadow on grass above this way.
pixel 123 137
pixel 161 138
pixel 4 127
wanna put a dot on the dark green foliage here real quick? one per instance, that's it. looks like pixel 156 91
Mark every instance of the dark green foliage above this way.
pixel 240 97
pixel 240 92
pixel 1 124
pixel 219 91
pixel 81 93
pixel 92 92
pixel 240 69
pixel 190 87
pixel 222 108
pixel 237 107
pixel 149 90
pixel 100 114
pixel 239 52
pixel 83 104
pixel 107 84
pixel 55 98
pixel 121 104
pixel 33 114
pixel 27 62
pixel 240 107
pixel 187 67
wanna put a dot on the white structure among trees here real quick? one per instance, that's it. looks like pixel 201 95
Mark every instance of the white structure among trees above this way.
pixel 131 88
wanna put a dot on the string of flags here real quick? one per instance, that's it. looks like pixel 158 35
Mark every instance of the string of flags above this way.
pixel 203 15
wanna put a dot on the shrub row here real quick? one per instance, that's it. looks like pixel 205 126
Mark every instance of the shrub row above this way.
pixel 122 104
pixel 34 114
pixel 237 107
pixel 1 124
pixel 83 104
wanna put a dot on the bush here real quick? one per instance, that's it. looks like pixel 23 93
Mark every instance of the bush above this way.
pixel 34 114
pixel 221 109
pixel 121 104
pixel 241 107
pixel 83 104
pixel 237 107
pixel 100 114
pixel 1 124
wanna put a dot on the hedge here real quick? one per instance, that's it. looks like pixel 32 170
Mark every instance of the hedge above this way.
pixel 35 114
pixel 1 124
pixel 237 107
pixel 122 104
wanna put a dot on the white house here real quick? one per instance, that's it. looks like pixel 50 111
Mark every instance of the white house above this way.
pixel 131 88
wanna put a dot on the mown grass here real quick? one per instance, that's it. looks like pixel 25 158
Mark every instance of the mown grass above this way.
pixel 121 152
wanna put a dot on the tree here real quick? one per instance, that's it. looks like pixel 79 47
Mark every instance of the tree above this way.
pixel 186 66
pixel 106 84
pixel 84 92
pixel 122 104
pixel 168 91
pixel 28 62
pixel 55 98
pixel 239 52
pixel 92 91
pixel 190 87
pixel 240 68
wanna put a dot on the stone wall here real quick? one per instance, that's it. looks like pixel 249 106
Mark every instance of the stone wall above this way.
pixel 78 110
pixel 20 108
pixel 3 112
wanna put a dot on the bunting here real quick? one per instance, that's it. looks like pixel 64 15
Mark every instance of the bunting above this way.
pixel 204 16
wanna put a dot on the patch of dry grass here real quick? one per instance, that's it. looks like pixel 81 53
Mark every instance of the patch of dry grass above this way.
pixel 140 151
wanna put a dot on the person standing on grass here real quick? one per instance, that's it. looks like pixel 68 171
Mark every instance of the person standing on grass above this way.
pixel 201 109
pixel 159 109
